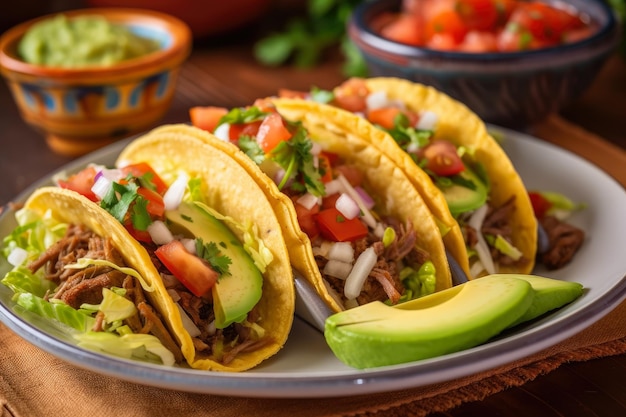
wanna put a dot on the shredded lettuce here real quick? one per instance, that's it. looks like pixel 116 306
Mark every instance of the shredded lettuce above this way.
pixel 131 346
pixel 252 242
pixel 55 310
pixel 560 205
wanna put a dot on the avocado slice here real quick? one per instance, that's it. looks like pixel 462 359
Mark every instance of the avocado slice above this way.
pixel 235 294
pixel 460 198
pixel 451 320
pixel 550 294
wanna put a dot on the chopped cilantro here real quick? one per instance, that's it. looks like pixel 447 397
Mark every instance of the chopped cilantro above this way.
pixel 321 96
pixel 118 206
pixel 251 147
pixel 241 115
pixel 139 215
pixel 295 157
pixel 211 253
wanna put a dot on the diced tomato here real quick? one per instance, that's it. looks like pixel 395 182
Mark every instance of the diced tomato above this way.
pixel 543 22
pixel 206 117
pixel 141 168
pixel 155 205
pixel 334 226
pixel 442 158
pixel 442 42
pixel 352 95
pixel 191 271
pixel 446 22
pixel 479 42
pixel 353 174
pixel 306 220
pixel 383 116
pixel 265 105
pixel 239 129
pixel 539 203
pixel 479 15
pixel 81 182
pixel 271 132
pixel 325 167
pixel 139 235
pixel 404 29
pixel 330 200
pixel 287 93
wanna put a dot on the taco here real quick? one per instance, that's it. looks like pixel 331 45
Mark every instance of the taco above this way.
pixel 355 226
pixel 74 265
pixel 215 244
pixel 449 156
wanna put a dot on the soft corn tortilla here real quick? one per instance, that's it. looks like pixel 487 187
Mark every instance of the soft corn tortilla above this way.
pixel 459 125
pixel 394 193
pixel 232 192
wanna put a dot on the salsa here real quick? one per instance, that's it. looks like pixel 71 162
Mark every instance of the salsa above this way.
pixel 80 42
pixel 481 26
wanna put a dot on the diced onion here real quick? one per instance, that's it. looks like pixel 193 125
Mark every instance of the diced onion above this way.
pixel 333 187
pixel 101 186
pixel 360 271
pixel 188 324
pixel 482 249
pixel 347 206
pixel 323 249
pixel 175 193
pixel 376 100
pixel 211 328
pixel 366 216
pixel 368 201
pixel 316 148
pixel 159 233
pixel 190 245
pixel 341 251
pixel 476 268
pixel 427 121
pixel 17 256
pixel 222 132
pixel 307 200
pixel 337 269
pixel 173 294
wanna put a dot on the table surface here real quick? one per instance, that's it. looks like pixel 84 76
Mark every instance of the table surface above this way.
pixel 222 72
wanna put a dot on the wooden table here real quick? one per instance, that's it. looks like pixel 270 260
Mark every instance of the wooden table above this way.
pixel 226 75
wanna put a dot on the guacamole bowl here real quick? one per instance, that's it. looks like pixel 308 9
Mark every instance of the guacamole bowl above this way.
pixel 82 108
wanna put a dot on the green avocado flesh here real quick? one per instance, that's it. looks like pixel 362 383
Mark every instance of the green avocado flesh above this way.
pixel 235 294
pixel 461 199
pixel 550 294
pixel 448 321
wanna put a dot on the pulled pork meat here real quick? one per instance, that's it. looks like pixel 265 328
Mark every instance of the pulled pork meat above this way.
pixel 78 286
pixel 496 223
pixel 383 283
pixel 220 345
pixel 565 240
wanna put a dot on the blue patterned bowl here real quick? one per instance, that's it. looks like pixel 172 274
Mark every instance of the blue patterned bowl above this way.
pixel 509 89
pixel 80 110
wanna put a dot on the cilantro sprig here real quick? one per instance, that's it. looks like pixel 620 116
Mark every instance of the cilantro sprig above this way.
pixel 211 253
pixel 121 197
pixel 295 157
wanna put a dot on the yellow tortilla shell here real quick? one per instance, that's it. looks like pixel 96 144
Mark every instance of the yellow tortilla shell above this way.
pixel 393 191
pixel 70 207
pixel 232 192
pixel 459 125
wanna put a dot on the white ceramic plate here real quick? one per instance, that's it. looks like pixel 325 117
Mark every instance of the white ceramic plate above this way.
pixel 307 368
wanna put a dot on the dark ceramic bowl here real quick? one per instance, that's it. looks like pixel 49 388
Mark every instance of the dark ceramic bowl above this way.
pixel 512 89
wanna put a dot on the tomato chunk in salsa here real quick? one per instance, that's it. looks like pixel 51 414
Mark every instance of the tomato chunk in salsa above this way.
pixel 483 25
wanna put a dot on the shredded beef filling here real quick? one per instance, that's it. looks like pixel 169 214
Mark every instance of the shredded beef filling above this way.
pixel 78 286
pixel 220 345
pixel 565 240
pixel 496 223
pixel 383 283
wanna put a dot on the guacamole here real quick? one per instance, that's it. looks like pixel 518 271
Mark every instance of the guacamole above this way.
pixel 81 42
